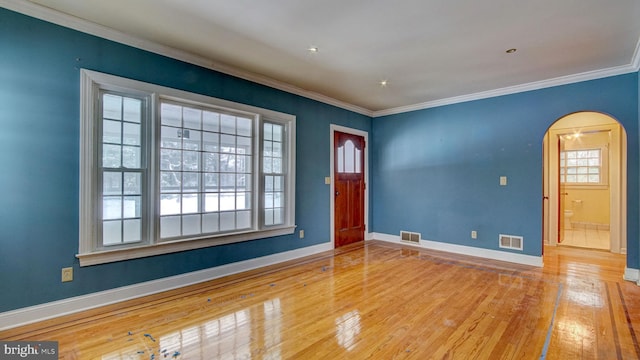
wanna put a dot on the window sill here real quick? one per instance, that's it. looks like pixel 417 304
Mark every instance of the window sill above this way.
pixel 586 187
pixel 108 256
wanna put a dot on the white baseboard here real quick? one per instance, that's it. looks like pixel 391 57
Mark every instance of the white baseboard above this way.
pixel 466 250
pixel 28 315
pixel 632 275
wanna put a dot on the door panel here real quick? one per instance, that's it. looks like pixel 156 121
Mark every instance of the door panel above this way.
pixel 349 188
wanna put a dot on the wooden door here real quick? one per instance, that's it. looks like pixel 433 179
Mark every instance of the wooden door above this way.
pixel 349 186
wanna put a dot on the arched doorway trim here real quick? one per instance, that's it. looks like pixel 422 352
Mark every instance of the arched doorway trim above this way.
pixel 587 121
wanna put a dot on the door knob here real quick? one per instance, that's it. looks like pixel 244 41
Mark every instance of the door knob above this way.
pixel 337 193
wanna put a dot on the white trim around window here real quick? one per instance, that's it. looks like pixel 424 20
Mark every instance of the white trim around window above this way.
pixel 121 219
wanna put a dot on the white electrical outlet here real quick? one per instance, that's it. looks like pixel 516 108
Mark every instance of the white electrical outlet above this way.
pixel 474 234
pixel 67 274
pixel 301 234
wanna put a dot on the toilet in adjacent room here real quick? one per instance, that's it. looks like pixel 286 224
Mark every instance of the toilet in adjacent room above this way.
pixel 568 214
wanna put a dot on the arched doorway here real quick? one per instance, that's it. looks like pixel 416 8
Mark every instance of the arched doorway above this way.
pixel 584 189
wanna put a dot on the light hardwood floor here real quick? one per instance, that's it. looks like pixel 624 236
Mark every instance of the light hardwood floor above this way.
pixel 373 301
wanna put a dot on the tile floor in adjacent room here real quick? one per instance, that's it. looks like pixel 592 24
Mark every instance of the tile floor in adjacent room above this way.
pixel 587 238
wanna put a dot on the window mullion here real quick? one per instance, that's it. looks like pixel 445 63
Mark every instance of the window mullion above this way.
pixel 258 174
pixel 201 175
pixel 152 146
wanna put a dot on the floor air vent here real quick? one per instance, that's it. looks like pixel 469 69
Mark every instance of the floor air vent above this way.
pixel 410 237
pixel 511 242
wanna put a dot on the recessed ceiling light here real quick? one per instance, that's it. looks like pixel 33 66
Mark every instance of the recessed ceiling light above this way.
pixel 511 51
pixel 313 49
pixel 383 83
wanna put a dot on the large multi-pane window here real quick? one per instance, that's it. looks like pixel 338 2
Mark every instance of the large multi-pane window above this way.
pixel 162 166
pixel 121 168
pixel 205 171
pixel 274 174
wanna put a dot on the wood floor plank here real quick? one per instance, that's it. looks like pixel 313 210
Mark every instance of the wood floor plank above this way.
pixel 373 301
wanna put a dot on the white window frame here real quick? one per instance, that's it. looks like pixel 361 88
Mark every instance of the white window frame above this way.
pixel 90 251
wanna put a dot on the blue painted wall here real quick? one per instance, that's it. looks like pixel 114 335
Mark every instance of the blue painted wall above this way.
pixel 436 171
pixel 39 145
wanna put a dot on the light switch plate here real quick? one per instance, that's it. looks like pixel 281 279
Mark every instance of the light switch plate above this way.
pixel 503 181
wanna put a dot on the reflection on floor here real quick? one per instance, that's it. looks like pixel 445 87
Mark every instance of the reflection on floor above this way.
pixel 587 238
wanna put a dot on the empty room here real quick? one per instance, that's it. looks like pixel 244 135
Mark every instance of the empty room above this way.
pixel 216 179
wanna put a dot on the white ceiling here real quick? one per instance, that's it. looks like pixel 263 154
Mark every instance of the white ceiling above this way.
pixel 427 50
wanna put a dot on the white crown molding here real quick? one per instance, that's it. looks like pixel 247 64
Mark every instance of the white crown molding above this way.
pixel 76 304
pixel 635 61
pixel 536 85
pixel 466 250
pixel 50 15
pixel 75 23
